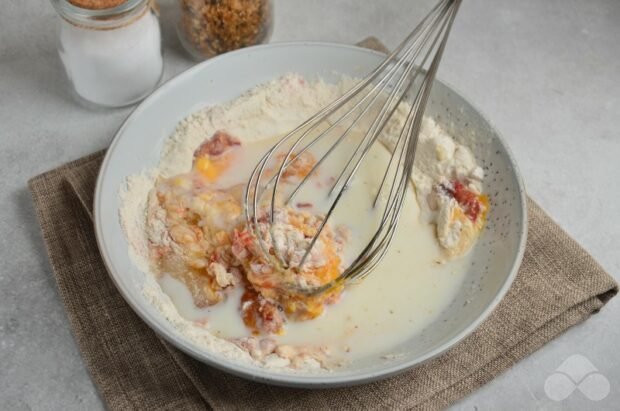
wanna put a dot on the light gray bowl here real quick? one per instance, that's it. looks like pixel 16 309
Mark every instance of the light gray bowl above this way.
pixel 137 146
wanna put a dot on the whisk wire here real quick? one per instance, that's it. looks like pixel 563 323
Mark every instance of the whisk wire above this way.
pixel 331 108
pixel 370 138
pixel 414 122
pixel 377 91
pixel 398 74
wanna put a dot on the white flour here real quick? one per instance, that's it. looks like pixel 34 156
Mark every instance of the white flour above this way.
pixel 268 110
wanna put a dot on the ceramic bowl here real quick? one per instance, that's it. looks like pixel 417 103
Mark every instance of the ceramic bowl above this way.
pixel 137 145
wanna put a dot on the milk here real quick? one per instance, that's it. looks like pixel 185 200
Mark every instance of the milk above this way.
pixel 403 295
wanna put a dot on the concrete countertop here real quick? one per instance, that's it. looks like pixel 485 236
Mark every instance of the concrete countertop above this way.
pixel 547 73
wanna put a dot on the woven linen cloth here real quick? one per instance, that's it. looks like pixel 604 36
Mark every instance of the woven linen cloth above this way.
pixel 558 285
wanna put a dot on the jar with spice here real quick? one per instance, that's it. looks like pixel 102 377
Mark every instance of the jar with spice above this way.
pixel 210 27
pixel 111 49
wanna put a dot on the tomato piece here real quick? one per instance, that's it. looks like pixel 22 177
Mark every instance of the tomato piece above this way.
pixel 471 202
pixel 217 144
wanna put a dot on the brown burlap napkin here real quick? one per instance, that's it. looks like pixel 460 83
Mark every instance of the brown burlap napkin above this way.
pixel 559 285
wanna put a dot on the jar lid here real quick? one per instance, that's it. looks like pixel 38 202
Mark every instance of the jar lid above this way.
pixel 102 14
pixel 97 4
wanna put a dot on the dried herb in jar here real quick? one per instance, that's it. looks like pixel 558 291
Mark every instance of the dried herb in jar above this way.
pixel 211 27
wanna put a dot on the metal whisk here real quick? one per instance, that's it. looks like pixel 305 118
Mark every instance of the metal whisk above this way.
pixel 406 75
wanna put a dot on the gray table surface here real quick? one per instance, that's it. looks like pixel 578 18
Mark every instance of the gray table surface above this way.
pixel 547 73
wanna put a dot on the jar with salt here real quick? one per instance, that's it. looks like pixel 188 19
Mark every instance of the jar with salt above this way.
pixel 111 49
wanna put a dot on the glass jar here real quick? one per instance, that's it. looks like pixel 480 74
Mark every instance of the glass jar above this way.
pixel 112 50
pixel 207 28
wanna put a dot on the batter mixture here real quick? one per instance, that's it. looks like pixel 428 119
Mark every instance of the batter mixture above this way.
pixel 185 225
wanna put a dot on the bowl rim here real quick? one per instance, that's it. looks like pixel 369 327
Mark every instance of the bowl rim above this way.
pixel 295 379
